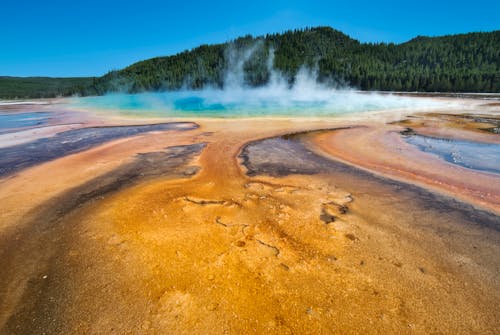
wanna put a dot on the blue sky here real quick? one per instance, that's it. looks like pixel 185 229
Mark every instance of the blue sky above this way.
pixel 89 38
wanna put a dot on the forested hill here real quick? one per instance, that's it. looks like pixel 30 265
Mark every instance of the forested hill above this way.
pixel 42 87
pixel 455 63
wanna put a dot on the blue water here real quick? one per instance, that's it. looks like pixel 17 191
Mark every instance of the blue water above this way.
pixel 20 120
pixel 250 102
pixel 472 155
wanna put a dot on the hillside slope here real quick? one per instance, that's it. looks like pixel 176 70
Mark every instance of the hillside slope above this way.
pixel 455 63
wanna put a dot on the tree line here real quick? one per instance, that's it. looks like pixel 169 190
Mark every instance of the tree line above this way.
pixel 455 63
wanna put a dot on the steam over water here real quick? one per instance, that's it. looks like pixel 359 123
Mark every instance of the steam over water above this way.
pixel 306 97
pixel 249 102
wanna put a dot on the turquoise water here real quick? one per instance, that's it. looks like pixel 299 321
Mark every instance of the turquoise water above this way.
pixel 250 102
pixel 472 155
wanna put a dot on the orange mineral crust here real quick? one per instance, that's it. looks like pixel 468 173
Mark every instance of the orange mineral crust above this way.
pixel 250 226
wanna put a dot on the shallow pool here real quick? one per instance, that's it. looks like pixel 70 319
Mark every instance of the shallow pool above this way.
pixel 251 102
pixel 10 121
pixel 472 155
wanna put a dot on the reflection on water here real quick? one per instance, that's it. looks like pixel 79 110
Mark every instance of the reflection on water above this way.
pixel 472 155
pixel 20 120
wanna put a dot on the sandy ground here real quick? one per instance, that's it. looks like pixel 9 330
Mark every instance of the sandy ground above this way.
pixel 92 244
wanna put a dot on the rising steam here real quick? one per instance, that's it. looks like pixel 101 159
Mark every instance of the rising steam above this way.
pixel 302 96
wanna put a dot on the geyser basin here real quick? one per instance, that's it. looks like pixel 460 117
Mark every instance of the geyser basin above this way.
pixel 472 155
pixel 252 102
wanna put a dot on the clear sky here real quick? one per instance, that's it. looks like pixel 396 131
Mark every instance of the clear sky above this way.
pixel 89 38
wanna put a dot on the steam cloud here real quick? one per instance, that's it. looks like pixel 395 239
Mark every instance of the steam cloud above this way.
pixel 305 96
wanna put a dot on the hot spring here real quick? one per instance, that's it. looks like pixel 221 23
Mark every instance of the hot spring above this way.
pixel 251 102
pixel 306 97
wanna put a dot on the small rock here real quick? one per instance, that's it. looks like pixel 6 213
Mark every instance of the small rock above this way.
pixel 191 170
pixel 333 208
pixel 343 209
pixel 285 267
pixel 326 217
pixel 351 236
